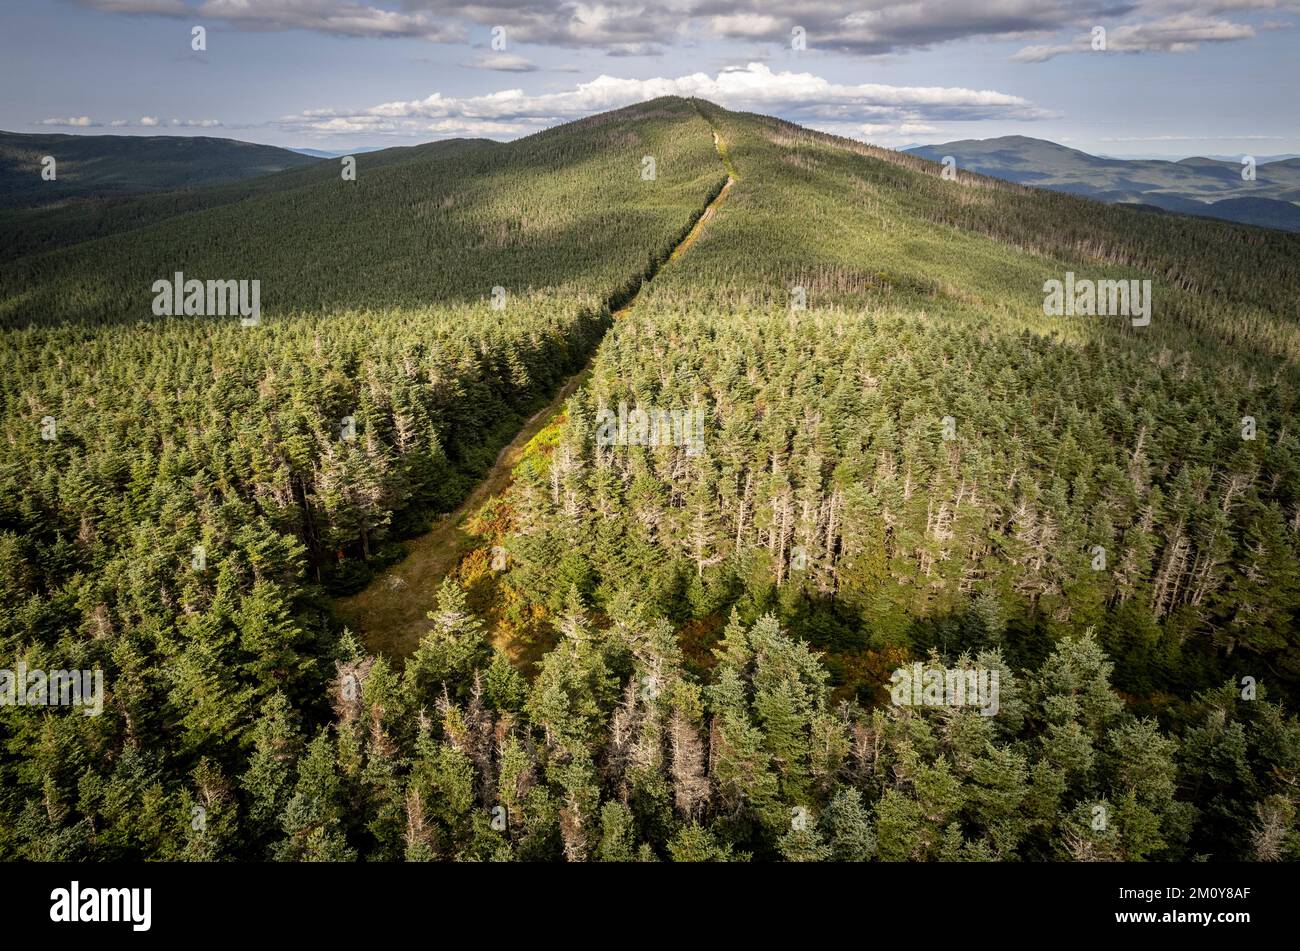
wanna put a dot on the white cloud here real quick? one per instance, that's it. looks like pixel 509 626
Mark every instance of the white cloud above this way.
pixel 796 95
pixel 1180 33
pixel 159 7
pixel 638 28
pixel 895 131
pixel 503 62
pixel 73 122
pixel 634 27
pixel 888 134
pixel 143 122
pixel 753 25
pixel 335 17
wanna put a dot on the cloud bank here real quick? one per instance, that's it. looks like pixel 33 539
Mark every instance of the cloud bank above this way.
pixel 629 27
pixel 801 96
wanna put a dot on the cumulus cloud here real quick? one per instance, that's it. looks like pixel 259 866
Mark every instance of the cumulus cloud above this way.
pixel 797 95
pixel 334 17
pixel 639 28
pixel 1180 33
pixel 144 122
pixel 893 130
pixel 160 7
pixel 503 62
pixel 635 28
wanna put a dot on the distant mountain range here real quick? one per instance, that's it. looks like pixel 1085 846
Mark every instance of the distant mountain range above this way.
pixel 1235 159
pixel 103 166
pixel 1207 187
pixel 321 153
pixel 114 166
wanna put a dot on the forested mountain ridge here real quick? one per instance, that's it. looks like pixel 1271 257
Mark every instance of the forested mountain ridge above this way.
pixel 1042 395
pixel 903 458
pixel 407 233
pixel 97 166
pixel 27 231
pixel 1096 492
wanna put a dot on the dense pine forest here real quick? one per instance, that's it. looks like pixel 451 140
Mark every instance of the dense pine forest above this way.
pixel 653 652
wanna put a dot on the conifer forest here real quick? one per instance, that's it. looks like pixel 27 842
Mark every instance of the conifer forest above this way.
pixel 672 483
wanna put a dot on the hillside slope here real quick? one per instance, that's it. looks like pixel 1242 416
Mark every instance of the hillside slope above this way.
pixel 551 210
pixel 923 303
pixel 102 166
pixel 863 444
pixel 874 446
pixel 26 231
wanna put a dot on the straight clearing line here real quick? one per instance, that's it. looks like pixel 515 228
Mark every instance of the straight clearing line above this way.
pixel 391 613
pixel 694 233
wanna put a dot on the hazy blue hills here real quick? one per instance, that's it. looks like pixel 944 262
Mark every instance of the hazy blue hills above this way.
pixel 1196 186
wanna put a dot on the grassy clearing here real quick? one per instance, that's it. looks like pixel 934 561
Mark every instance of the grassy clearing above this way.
pixel 391 613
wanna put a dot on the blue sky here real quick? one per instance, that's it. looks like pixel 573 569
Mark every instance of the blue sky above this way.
pixel 1177 77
